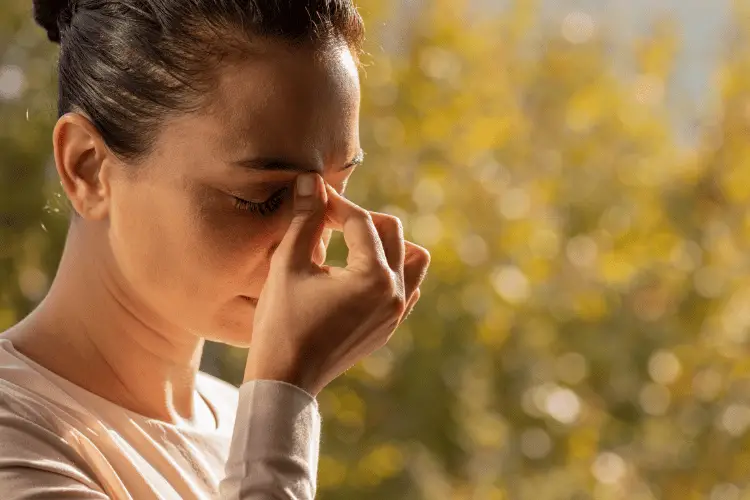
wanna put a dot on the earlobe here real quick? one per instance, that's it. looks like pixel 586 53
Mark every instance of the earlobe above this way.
pixel 80 155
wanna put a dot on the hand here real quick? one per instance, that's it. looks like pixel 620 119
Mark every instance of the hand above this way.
pixel 314 322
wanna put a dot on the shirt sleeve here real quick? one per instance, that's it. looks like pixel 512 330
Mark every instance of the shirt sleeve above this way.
pixel 273 454
pixel 36 464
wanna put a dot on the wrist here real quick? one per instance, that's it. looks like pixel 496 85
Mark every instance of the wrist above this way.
pixel 266 367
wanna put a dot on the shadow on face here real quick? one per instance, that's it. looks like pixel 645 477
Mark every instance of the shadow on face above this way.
pixel 194 234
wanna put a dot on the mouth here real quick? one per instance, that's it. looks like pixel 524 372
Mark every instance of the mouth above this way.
pixel 252 300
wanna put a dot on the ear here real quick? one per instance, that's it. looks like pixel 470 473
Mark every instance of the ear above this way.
pixel 83 162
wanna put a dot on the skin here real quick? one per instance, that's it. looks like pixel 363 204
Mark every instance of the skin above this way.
pixel 161 257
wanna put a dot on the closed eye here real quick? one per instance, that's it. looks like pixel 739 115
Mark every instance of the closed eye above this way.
pixel 265 208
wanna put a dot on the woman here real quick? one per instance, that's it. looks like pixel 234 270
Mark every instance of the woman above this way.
pixel 204 146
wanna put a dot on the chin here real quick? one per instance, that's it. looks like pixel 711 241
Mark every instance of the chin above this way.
pixel 233 324
pixel 232 337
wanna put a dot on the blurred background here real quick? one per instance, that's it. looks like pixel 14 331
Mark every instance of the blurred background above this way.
pixel 580 172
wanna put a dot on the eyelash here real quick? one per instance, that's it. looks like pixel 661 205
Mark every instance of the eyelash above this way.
pixel 265 208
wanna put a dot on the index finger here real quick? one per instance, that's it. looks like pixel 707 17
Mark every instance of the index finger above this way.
pixel 360 234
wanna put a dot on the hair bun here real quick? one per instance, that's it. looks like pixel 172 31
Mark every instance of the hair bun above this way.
pixel 50 14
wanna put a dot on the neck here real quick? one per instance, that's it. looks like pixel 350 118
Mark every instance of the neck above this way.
pixel 93 331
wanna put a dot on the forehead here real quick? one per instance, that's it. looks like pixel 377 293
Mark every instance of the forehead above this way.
pixel 286 101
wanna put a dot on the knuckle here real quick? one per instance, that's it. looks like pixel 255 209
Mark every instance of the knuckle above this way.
pixel 388 288
pixel 422 263
pixel 365 214
pixel 389 294
pixel 422 256
pixel 388 223
pixel 395 223
pixel 394 298
pixel 427 258
pixel 397 305
pixel 379 278
pixel 418 255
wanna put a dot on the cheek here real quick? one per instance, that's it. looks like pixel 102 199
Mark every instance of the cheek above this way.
pixel 226 247
pixel 176 254
pixel 150 240
pixel 236 246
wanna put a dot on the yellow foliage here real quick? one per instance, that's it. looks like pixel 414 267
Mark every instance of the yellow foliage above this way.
pixel 331 472
pixel 382 462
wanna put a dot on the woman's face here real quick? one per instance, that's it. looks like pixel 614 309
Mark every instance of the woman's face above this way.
pixel 184 245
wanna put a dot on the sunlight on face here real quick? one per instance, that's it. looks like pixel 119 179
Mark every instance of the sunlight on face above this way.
pixel 195 234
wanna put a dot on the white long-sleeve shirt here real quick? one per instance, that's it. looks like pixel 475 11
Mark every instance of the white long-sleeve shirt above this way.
pixel 58 440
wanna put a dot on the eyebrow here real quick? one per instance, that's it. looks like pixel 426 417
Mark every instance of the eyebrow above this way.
pixel 280 165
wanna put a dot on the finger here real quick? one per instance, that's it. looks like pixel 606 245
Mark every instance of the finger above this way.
pixel 360 235
pixel 410 305
pixel 321 250
pixel 303 235
pixel 391 233
pixel 320 253
pixel 416 262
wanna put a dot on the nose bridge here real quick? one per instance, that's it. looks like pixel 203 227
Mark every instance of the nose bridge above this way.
pixel 327 164
pixel 334 141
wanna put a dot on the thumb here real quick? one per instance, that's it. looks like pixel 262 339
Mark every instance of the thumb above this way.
pixel 306 228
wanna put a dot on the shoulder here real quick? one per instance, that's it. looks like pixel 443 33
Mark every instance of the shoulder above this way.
pixel 33 436
pixel 20 403
pixel 25 413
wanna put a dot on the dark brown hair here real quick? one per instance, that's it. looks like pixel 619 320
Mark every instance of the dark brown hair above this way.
pixel 128 63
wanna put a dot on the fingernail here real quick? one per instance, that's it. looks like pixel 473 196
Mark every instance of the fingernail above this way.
pixel 305 184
